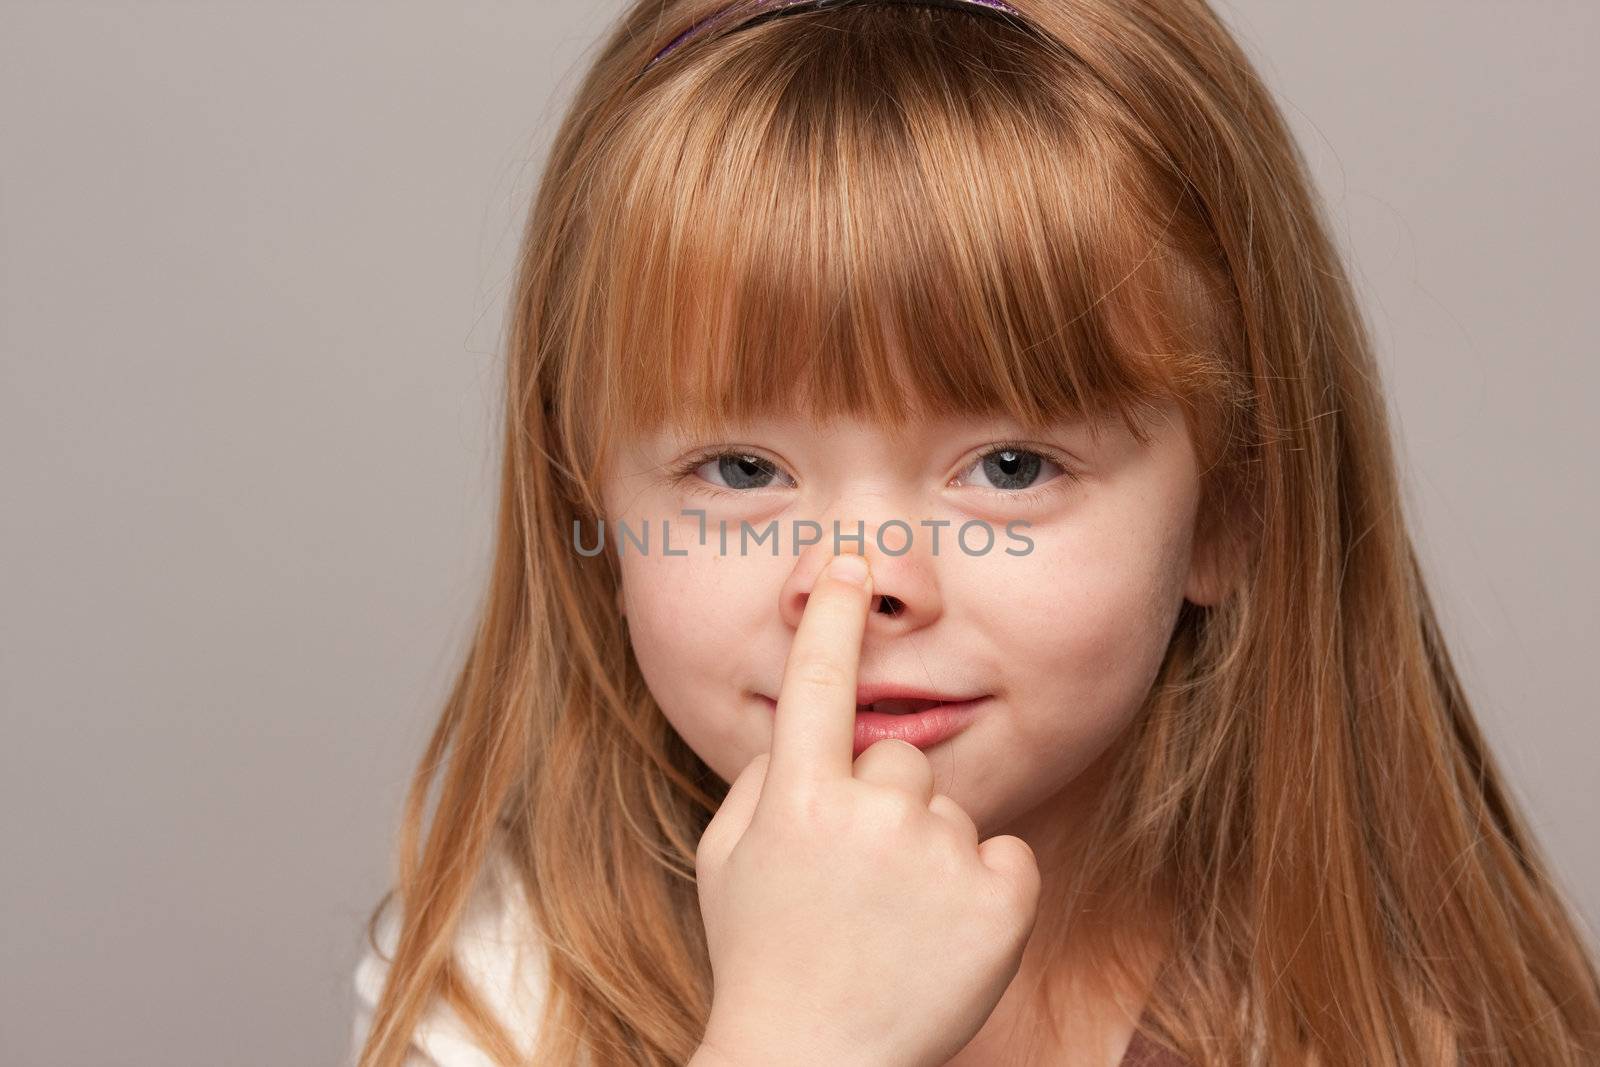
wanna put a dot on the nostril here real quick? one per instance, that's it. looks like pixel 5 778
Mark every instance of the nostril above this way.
pixel 888 605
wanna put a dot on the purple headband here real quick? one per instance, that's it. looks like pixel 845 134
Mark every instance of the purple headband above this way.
pixel 761 10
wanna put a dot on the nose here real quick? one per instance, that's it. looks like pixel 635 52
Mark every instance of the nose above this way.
pixel 905 592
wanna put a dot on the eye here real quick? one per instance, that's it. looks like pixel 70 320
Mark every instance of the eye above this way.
pixel 739 472
pixel 1016 472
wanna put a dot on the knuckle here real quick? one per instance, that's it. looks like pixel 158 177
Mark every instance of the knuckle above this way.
pixel 807 808
pixel 1017 890
pixel 953 819
pixel 896 808
pixel 953 857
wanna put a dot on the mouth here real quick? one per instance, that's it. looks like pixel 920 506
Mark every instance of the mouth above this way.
pixel 921 721
pixel 901 706
pixel 896 698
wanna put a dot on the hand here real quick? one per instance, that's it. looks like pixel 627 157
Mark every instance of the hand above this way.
pixel 851 914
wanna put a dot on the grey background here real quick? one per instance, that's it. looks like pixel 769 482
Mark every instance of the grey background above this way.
pixel 253 260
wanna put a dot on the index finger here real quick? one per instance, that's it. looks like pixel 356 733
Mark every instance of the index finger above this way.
pixel 814 732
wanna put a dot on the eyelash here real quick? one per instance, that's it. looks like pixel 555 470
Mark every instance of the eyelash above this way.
pixel 1025 496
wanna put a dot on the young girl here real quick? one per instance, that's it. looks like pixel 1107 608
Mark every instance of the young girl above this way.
pixel 1031 306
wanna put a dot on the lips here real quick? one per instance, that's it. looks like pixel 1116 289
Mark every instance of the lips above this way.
pixel 908 697
pixel 923 721
pixel 900 706
pixel 884 699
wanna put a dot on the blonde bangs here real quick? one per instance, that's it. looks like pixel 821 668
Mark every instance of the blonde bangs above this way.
pixel 815 219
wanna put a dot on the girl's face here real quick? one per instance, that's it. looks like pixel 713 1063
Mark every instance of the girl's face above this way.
pixel 1060 618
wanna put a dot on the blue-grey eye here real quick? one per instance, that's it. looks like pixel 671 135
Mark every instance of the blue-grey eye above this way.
pixel 1012 468
pixel 744 471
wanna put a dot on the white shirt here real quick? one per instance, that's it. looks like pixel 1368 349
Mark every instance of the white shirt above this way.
pixel 499 951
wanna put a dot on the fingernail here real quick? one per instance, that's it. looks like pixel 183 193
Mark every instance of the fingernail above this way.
pixel 849 568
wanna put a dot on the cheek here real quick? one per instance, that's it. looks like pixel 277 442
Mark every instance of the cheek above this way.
pixel 689 620
pixel 1086 621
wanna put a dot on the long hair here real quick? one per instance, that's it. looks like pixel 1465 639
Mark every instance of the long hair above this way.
pixel 888 210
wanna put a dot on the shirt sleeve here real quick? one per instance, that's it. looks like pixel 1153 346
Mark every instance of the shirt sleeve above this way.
pixel 499 951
